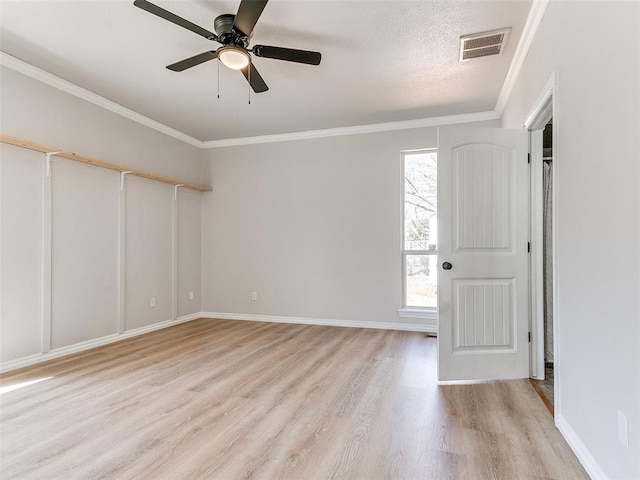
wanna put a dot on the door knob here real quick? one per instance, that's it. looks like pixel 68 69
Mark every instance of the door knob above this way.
pixel 446 266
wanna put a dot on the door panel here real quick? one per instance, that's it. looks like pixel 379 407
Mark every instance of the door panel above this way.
pixel 482 313
pixel 482 202
pixel 482 177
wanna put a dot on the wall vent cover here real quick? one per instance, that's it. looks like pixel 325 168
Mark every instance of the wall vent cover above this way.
pixel 483 44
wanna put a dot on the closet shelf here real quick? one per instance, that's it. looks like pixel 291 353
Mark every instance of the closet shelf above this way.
pixel 96 163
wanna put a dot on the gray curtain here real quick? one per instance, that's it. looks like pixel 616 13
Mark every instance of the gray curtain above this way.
pixel 548 264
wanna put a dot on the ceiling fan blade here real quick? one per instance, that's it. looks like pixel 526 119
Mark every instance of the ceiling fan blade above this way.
pixel 173 18
pixel 287 54
pixel 192 61
pixel 254 78
pixel 248 13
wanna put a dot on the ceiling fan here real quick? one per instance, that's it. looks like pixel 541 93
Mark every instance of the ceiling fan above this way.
pixel 233 32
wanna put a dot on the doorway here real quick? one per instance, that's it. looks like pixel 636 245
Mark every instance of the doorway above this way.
pixel 542 125
pixel 544 380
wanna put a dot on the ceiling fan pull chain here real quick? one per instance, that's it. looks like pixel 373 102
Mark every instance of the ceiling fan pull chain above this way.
pixel 249 67
pixel 218 79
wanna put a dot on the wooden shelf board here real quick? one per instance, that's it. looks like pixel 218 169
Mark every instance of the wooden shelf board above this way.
pixel 18 142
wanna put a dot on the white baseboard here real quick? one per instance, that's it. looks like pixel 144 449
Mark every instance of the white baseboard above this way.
pixel 410 327
pixel 98 342
pixel 89 344
pixel 584 456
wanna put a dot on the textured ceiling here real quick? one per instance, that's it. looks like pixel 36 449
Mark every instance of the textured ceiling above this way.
pixel 383 60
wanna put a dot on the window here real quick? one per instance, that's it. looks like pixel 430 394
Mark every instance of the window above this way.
pixel 420 230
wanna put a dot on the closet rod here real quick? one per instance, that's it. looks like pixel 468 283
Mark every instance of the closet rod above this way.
pixel 96 163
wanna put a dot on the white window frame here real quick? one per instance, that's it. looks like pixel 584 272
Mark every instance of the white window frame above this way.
pixel 412 311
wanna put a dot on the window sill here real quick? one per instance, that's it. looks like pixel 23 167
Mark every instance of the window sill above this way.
pixel 430 313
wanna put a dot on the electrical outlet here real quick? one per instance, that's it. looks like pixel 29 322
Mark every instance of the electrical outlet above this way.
pixel 254 296
pixel 190 295
pixel 152 302
pixel 623 429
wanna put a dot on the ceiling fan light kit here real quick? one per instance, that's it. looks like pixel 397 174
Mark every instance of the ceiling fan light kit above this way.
pixel 233 57
pixel 234 33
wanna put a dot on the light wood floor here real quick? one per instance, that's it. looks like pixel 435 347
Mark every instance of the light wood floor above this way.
pixel 214 399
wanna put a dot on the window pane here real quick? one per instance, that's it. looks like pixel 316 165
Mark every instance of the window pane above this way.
pixel 420 201
pixel 421 280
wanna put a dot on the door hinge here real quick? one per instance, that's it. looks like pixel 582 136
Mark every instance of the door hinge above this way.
pixel 529 337
pixel 528 247
pixel 528 158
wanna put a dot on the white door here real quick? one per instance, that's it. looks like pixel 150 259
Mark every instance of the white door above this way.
pixel 483 261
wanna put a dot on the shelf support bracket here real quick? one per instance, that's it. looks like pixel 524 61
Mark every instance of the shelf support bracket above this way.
pixel 122 175
pixel 175 191
pixel 48 156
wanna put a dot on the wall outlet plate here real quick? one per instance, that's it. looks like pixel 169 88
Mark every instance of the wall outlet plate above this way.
pixel 152 302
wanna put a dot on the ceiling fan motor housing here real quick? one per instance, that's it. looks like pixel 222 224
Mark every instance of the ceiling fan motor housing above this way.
pixel 223 26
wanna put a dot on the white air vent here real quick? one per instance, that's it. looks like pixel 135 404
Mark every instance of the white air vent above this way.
pixel 483 44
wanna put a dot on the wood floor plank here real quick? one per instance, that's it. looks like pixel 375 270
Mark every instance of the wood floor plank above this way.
pixel 219 399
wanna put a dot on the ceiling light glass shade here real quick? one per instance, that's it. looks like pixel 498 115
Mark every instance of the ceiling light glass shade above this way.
pixel 233 57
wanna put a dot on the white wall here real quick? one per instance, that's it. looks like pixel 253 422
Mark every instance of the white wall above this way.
pixel 189 250
pixel 312 226
pixel 148 264
pixel 34 111
pixel 20 253
pixel 101 281
pixel 594 48
pixel 84 257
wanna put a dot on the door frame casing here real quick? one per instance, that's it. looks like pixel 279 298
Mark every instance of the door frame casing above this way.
pixel 544 109
pixel 536 259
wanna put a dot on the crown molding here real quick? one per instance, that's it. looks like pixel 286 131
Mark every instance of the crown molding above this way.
pixel 536 13
pixel 54 81
pixel 354 130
